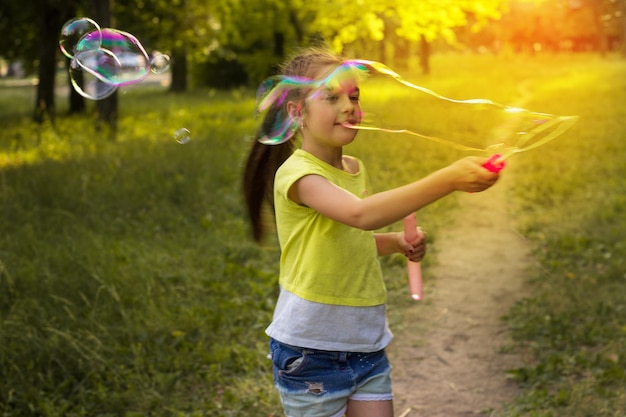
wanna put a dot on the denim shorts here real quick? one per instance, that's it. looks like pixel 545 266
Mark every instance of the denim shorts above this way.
pixel 319 383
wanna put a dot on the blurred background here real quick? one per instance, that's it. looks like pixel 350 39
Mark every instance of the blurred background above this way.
pixel 228 43
pixel 129 282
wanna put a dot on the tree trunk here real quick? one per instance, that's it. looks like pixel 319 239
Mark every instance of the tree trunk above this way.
pixel 601 36
pixel 106 109
pixel 297 26
pixel 425 55
pixel 623 11
pixel 77 102
pixel 179 71
pixel 49 29
pixel 279 45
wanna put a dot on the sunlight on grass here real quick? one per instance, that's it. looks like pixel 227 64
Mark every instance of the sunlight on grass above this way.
pixel 570 203
pixel 132 287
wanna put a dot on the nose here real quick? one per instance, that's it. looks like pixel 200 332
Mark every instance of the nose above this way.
pixel 347 105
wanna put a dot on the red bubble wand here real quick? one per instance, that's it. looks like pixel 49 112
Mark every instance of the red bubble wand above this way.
pixel 414 268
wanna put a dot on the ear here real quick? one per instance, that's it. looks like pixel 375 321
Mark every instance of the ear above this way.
pixel 294 110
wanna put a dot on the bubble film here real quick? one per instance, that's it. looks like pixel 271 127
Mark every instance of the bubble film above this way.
pixel 87 85
pixel 272 96
pixel 160 63
pixel 105 56
pixel 120 60
pixel 393 105
pixel 74 30
pixel 182 136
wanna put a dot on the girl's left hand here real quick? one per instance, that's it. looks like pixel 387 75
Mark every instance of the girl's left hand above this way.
pixel 415 250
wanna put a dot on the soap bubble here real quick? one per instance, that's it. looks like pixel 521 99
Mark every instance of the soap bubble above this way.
pixel 160 63
pixel 74 30
pixel 99 63
pixel 391 104
pixel 110 56
pixel 182 136
pixel 270 98
pixel 130 63
pixel 87 85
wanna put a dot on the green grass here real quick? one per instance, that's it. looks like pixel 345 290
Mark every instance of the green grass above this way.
pixel 129 283
pixel 130 286
pixel 571 202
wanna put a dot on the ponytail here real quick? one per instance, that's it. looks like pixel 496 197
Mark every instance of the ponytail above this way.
pixel 258 180
pixel 265 159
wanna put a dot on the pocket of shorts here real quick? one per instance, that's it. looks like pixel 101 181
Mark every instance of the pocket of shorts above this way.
pixel 286 359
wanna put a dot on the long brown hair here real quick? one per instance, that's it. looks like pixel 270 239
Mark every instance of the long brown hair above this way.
pixel 263 160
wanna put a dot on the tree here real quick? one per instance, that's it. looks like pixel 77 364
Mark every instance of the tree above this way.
pixel 406 23
pixel 50 23
pixel 76 101
pixel 621 27
pixel 20 32
pixel 257 35
pixel 29 32
pixel 182 29
pixel 564 25
pixel 106 109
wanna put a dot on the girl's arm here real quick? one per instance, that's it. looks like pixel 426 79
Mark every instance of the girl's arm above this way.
pixel 387 207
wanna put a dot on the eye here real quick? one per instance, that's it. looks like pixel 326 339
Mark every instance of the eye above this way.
pixel 332 98
pixel 355 94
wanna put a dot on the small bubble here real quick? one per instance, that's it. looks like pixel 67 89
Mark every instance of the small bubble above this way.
pixel 182 136
pixel 159 64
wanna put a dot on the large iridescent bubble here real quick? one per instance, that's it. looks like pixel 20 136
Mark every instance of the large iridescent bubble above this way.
pixel 472 125
pixel 104 59
pixel 120 60
pixel 271 97
pixel 87 85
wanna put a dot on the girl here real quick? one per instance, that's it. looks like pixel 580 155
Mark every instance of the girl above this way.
pixel 329 330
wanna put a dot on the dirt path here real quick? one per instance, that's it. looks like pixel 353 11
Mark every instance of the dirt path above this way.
pixel 448 364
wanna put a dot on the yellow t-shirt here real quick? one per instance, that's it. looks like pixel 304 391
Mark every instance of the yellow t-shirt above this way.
pixel 323 260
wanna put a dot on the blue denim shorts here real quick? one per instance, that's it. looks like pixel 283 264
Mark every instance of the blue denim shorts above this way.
pixel 319 383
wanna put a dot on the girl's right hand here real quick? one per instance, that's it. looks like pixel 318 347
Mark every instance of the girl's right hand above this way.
pixel 468 174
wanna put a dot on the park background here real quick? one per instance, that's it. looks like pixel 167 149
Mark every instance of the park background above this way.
pixel 129 284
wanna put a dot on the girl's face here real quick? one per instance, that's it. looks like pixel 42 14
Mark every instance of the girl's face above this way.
pixel 327 112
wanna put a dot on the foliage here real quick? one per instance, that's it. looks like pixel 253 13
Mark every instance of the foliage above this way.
pixel 273 28
pixel 258 33
pixel 167 26
pixel 21 22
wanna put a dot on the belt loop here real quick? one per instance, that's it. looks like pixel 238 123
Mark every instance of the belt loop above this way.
pixel 343 356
